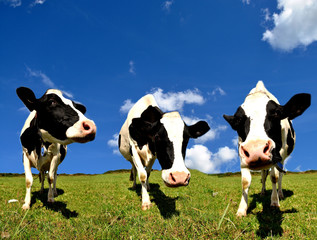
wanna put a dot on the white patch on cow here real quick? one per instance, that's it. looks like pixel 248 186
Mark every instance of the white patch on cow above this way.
pixel 174 126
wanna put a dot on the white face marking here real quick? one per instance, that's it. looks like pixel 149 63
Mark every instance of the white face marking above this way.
pixel 174 126
pixel 255 108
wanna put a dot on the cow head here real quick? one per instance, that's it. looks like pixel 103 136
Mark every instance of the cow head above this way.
pixel 59 119
pixel 258 122
pixel 167 136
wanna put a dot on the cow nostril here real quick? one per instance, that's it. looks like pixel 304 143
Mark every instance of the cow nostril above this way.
pixel 266 149
pixel 172 177
pixel 246 153
pixel 86 126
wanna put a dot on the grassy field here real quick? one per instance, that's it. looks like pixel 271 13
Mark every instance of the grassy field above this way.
pixel 104 207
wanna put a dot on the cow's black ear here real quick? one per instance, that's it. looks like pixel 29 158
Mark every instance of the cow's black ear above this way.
pixel 80 107
pixel 232 120
pixel 28 98
pixel 297 105
pixel 198 129
pixel 152 114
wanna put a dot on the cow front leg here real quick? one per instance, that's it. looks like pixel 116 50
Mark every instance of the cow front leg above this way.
pixel 28 182
pixel 51 178
pixel 264 174
pixel 274 179
pixel 280 190
pixel 246 182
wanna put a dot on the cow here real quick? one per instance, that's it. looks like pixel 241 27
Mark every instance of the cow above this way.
pixel 53 123
pixel 266 138
pixel 147 134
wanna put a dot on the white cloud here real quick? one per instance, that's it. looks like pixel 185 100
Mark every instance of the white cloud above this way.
pixel 298 168
pixel 37 2
pixel 294 26
pixel 167 5
pixel 38 74
pixel 172 101
pixel 12 3
pixel 246 1
pixel 218 90
pixel 131 67
pixel 127 105
pixel 235 141
pixel 113 143
pixel 200 158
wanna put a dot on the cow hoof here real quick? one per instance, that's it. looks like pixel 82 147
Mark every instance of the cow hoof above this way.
pixel 146 206
pixel 281 195
pixel 25 206
pixel 55 194
pixel 275 205
pixel 50 200
pixel 262 194
pixel 241 213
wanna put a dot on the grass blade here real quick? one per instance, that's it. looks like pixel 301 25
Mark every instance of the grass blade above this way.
pixel 223 216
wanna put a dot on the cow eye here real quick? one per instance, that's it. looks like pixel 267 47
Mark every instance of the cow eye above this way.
pixel 52 103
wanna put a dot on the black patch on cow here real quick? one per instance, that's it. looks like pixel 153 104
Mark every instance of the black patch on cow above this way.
pixel 239 122
pixel 31 138
pixel 290 138
pixel 62 151
pixel 164 148
pixel 273 129
pixel 55 116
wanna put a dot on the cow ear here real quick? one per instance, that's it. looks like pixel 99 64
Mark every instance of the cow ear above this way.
pixel 232 120
pixel 152 114
pixel 80 107
pixel 198 129
pixel 297 105
pixel 28 98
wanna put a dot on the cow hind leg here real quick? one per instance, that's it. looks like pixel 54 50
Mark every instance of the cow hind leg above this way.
pixel 28 182
pixel 42 178
pixel 54 185
pixel 133 176
pixel 274 179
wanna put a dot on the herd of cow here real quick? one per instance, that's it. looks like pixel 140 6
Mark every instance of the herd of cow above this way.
pixel 264 127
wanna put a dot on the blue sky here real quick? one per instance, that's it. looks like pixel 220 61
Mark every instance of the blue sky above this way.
pixel 198 57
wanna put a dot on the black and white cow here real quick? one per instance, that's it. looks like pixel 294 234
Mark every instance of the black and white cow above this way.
pixel 266 137
pixel 147 134
pixel 53 123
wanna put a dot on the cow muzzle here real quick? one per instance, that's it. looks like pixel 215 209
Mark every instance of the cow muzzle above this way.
pixel 257 154
pixel 82 131
pixel 178 179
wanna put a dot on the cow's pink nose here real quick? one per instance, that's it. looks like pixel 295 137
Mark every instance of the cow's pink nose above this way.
pixel 177 179
pixel 89 129
pixel 256 152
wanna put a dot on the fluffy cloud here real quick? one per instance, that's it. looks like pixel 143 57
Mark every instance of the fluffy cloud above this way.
pixel 127 105
pixel 113 143
pixel 12 3
pixel 171 101
pixel 246 1
pixel 294 26
pixel 200 158
pixel 167 5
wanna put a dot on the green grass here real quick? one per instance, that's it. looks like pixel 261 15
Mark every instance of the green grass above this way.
pixel 104 207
